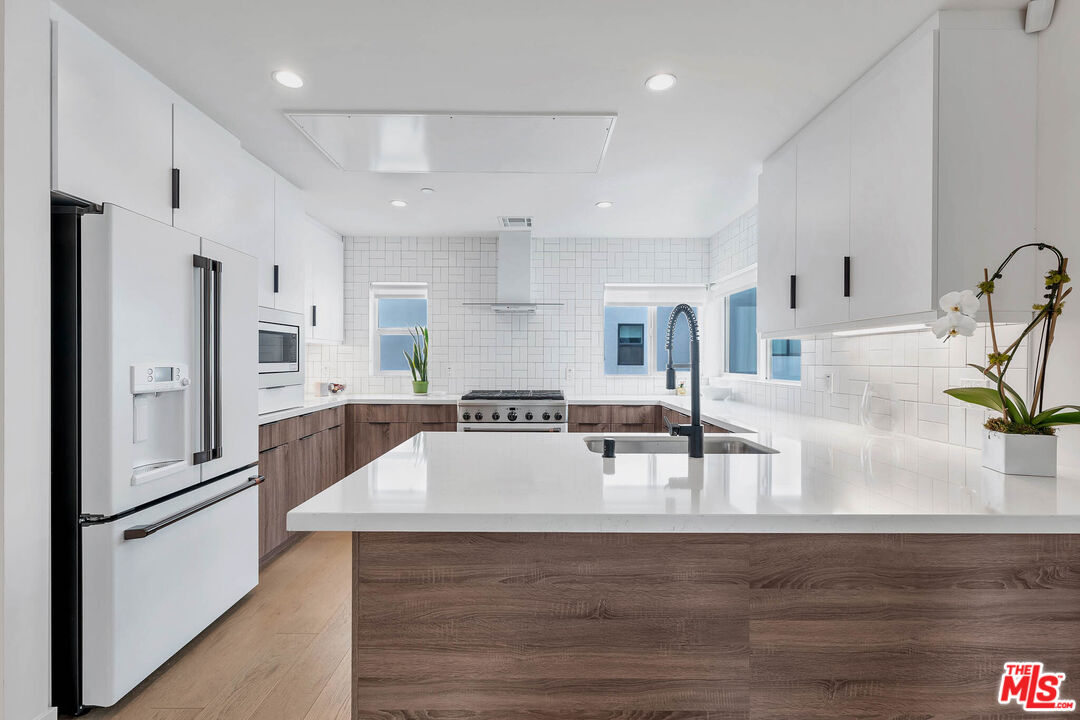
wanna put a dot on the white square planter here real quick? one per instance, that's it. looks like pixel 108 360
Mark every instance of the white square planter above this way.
pixel 1020 454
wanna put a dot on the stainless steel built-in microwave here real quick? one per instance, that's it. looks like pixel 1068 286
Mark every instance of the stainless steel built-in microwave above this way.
pixel 281 348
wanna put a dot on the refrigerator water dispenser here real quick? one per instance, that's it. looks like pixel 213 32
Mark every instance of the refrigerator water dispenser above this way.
pixel 158 420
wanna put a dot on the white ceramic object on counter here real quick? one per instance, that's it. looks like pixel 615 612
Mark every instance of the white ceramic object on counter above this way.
pixel 1014 454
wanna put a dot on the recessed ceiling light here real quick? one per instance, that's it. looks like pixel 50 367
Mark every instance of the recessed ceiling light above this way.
pixel 398 203
pixel 288 78
pixel 427 191
pixel 663 81
pixel 604 204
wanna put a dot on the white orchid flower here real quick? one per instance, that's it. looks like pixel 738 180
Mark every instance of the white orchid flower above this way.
pixel 954 323
pixel 964 302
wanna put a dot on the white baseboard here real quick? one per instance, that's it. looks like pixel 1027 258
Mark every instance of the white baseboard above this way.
pixel 49 714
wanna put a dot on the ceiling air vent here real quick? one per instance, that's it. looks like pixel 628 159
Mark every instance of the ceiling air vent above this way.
pixel 516 223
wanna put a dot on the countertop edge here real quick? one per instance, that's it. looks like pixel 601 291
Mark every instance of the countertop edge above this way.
pixel 672 402
pixel 734 524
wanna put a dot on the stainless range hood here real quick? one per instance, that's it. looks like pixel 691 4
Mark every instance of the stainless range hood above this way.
pixel 513 293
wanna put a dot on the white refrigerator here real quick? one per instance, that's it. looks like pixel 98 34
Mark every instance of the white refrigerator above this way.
pixel 155 482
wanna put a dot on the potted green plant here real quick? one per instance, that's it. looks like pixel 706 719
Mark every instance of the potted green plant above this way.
pixel 418 361
pixel 1021 440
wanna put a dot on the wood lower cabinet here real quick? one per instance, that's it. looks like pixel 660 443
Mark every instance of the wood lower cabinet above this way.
pixel 635 418
pixel 298 458
pixel 276 465
pixel 589 418
pixel 372 430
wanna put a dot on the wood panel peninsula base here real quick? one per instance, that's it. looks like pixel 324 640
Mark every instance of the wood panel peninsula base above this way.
pixel 632 626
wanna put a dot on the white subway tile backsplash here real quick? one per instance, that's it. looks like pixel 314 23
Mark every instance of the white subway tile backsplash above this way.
pixel 472 347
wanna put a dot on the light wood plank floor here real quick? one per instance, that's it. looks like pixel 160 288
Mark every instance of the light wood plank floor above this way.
pixel 281 653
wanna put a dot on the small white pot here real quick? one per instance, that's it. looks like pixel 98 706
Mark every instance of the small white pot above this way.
pixel 1020 454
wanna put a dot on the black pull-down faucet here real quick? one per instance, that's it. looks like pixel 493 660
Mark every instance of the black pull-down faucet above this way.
pixel 694 432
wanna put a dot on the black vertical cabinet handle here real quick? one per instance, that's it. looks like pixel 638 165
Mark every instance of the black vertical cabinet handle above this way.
pixel 847 276
pixel 275 278
pixel 313 321
pixel 792 292
pixel 176 188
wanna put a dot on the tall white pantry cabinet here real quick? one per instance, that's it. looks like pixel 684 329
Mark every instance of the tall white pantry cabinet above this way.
pixel 121 136
pixel 907 185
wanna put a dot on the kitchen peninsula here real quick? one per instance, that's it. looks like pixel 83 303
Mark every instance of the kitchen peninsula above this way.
pixel 849 574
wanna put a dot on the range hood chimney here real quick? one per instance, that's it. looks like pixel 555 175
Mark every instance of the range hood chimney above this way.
pixel 513 289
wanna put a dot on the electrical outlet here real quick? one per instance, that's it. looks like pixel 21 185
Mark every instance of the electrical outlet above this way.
pixel 829 388
pixel 449 371
pixel 569 373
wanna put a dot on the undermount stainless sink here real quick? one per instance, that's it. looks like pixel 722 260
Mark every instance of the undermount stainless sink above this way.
pixel 664 445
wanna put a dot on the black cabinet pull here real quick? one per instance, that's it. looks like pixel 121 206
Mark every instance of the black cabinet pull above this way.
pixel 847 276
pixel 143 531
pixel 313 321
pixel 792 292
pixel 275 278
pixel 176 188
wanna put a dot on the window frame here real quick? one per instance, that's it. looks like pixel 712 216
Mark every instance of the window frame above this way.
pixel 649 297
pixel 394 291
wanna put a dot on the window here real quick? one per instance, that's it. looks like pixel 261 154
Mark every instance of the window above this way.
pixel 785 358
pixel 396 308
pixel 680 341
pixel 631 344
pixel 637 314
pixel 624 340
pixel 742 339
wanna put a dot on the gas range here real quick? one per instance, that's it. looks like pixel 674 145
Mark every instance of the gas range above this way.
pixel 521 410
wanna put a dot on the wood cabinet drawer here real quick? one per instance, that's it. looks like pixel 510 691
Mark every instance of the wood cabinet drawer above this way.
pixel 278 433
pixel 321 420
pixel 590 414
pixel 416 413
pixel 378 413
pixel 644 416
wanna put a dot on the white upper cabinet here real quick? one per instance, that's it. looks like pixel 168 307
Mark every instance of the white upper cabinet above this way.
pixel 776 242
pixel 325 285
pixel 112 130
pixel 290 234
pixel 892 212
pixel 225 194
pixel 922 173
pixel 822 217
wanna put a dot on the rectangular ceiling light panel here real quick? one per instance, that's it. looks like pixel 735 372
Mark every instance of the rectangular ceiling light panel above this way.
pixel 464 143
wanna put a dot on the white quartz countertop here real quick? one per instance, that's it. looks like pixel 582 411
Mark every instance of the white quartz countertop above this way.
pixel 827 477
pixel 314 404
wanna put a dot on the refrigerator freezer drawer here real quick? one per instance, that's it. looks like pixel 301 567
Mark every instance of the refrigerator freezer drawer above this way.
pixel 146 597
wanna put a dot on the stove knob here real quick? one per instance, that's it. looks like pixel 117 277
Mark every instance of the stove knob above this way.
pixel 528 416
pixel 546 416
pixel 511 416
pixel 558 417
pixel 494 416
pixel 465 417
pixel 479 416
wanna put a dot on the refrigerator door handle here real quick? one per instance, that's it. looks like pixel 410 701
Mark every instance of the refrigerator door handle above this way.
pixel 206 438
pixel 215 269
pixel 142 531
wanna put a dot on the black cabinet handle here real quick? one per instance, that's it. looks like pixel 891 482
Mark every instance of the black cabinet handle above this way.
pixel 275 278
pixel 792 292
pixel 176 188
pixel 847 276
pixel 313 320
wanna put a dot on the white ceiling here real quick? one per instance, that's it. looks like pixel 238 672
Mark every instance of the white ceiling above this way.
pixel 680 163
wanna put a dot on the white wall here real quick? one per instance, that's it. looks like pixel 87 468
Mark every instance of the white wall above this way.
pixel 1059 196
pixel 475 348
pixel 24 382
